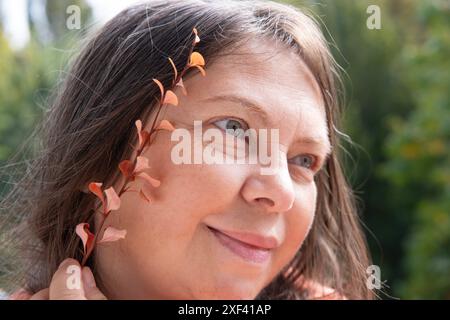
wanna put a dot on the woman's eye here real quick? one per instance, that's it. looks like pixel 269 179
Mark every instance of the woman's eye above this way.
pixel 304 160
pixel 232 126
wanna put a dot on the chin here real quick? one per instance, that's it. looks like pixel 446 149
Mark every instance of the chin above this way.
pixel 237 293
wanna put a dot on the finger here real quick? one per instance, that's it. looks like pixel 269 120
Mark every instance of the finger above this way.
pixel 66 283
pixel 20 294
pixel 41 295
pixel 90 287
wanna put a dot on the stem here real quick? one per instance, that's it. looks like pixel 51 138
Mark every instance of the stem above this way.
pixel 139 152
pixel 104 216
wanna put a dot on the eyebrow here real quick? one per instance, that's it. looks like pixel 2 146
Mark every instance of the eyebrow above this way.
pixel 249 105
pixel 255 108
pixel 317 141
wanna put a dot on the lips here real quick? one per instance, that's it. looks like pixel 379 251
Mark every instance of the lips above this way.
pixel 249 246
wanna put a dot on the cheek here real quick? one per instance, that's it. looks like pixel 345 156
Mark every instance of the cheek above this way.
pixel 188 192
pixel 167 227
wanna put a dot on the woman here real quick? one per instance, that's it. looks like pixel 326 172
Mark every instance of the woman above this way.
pixel 205 230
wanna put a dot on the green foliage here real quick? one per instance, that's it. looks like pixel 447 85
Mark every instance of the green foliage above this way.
pixel 24 75
pixel 419 159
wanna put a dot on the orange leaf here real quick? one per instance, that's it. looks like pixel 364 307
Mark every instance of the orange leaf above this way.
pixel 161 88
pixel 87 238
pixel 138 124
pixel 154 182
pixel 180 83
pixel 95 188
pixel 197 39
pixel 174 68
pixel 142 134
pixel 141 164
pixel 126 167
pixel 196 59
pixel 202 71
pixel 165 125
pixel 171 98
pixel 113 234
pixel 113 200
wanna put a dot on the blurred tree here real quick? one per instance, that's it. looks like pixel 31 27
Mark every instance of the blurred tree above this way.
pixel 48 19
pixel 419 164
pixel 26 77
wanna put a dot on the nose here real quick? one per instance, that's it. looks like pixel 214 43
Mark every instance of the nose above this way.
pixel 274 192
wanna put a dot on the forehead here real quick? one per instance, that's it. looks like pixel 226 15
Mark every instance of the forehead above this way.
pixel 262 65
pixel 274 78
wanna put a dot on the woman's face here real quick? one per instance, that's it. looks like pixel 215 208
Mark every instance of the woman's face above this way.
pixel 171 250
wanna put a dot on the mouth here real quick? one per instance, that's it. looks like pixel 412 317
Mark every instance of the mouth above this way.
pixel 252 248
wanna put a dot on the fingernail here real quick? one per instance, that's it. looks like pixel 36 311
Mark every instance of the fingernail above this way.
pixel 88 277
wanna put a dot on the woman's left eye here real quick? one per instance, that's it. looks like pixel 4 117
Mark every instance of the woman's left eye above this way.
pixel 305 160
pixel 232 125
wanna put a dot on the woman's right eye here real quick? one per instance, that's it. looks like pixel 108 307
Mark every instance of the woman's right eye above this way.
pixel 232 126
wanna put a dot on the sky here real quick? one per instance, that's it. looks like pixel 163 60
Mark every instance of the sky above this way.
pixel 16 24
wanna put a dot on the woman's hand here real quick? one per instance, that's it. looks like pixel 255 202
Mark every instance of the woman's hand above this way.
pixel 71 282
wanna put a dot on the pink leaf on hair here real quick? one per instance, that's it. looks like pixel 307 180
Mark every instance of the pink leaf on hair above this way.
pixel 154 182
pixel 161 88
pixel 171 98
pixel 165 125
pixel 141 164
pixel 113 234
pixel 142 134
pixel 87 238
pixel 112 199
pixel 95 188
pixel 126 167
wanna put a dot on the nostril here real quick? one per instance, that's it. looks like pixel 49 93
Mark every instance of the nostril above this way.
pixel 266 202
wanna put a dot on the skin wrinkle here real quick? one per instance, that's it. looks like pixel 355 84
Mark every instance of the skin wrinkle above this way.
pixel 169 253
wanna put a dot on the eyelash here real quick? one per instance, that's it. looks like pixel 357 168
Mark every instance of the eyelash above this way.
pixel 246 126
pixel 313 164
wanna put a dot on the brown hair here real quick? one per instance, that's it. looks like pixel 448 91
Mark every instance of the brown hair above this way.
pixel 90 127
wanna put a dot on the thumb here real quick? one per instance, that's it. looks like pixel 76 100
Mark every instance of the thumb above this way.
pixel 90 287
pixel 66 283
